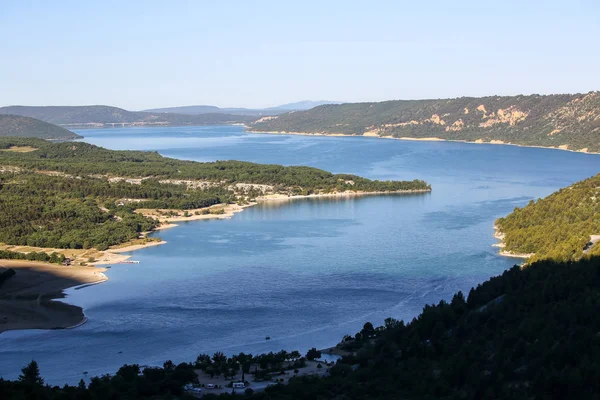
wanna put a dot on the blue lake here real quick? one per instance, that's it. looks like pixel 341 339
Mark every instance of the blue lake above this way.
pixel 304 272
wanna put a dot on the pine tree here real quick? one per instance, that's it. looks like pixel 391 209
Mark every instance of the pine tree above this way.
pixel 31 374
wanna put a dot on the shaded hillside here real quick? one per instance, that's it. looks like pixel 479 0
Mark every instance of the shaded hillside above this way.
pixel 107 116
pixel 559 226
pixel 15 125
pixel 530 333
pixel 570 121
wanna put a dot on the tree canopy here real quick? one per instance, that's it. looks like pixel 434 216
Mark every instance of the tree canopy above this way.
pixel 557 227
pixel 571 120
pixel 79 196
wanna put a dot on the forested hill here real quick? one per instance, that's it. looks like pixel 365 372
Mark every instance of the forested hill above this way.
pixel 79 158
pixel 79 196
pixel 101 116
pixel 559 226
pixel 16 125
pixel 530 333
pixel 570 121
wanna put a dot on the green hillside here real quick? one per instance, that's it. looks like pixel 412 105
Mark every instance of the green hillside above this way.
pixel 106 115
pixel 67 195
pixel 15 125
pixel 570 121
pixel 559 226
pixel 84 158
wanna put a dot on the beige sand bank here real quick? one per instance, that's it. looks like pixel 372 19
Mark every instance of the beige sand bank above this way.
pixel 228 210
pixel 271 197
pixel 26 298
pixel 132 247
pixel 500 236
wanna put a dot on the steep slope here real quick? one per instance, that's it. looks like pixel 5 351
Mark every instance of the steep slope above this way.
pixel 559 227
pixel 567 121
pixel 109 116
pixel 15 125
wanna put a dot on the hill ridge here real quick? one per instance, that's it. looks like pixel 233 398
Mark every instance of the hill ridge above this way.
pixel 100 116
pixel 566 121
pixel 20 126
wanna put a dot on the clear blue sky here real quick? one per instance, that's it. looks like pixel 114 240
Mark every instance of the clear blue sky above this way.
pixel 142 54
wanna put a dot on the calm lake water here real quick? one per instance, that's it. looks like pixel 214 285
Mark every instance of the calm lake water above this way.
pixel 304 272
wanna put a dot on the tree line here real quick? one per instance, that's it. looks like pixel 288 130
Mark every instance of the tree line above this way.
pixel 556 227
pixel 78 158
pixel 534 120
pixel 59 194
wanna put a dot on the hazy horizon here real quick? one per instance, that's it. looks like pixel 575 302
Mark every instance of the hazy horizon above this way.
pixel 144 55
pixel 283 104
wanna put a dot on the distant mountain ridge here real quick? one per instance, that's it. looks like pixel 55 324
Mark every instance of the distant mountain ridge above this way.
pixel 100 116
pixel 567 121
pixel 16 125
pixel 305 104
pixel 205 109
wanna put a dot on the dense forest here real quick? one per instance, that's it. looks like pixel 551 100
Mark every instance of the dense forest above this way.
pixel 557 227
pixel 60 212
pixel 528 333
pixel 101 115
pixel 535 120
pixel 15 125
pixel 59 195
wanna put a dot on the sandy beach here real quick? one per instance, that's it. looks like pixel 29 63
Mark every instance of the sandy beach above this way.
pixel 276 197
pixel 26 299
pixel 500 236
pixel 218 211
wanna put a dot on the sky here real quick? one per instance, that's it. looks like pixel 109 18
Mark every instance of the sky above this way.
pixel 145 54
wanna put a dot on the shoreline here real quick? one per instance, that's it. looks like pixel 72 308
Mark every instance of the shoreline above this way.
pixel 425 139
pixel 500 237
pixel 133 247
pixel 67 316
pixel 277 197
pixel 28 299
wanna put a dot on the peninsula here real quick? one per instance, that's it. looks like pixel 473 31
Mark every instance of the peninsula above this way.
pixel 76 201
pixel 29 288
